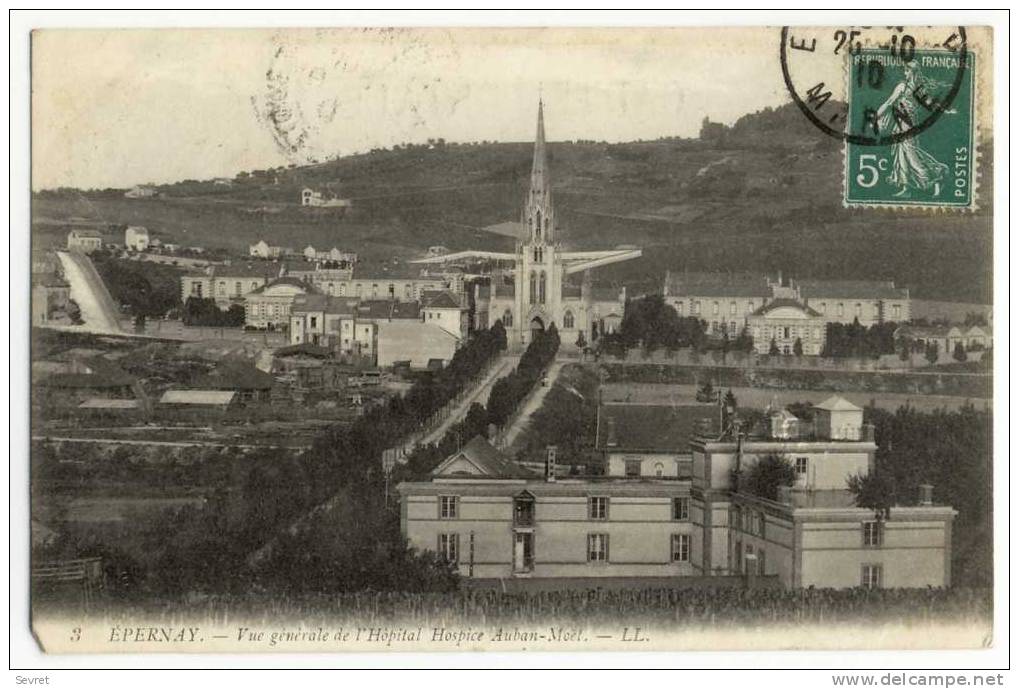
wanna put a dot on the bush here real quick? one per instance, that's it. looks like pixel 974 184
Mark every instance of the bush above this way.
pixel 764 478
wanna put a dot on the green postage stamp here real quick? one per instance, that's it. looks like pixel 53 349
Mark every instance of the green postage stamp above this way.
pixel 912 129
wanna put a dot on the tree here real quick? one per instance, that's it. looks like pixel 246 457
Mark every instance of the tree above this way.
pixel 730 400
pixel 959 353
pixel 798 347
pixel 931 354
pixel 874 491
pixel 499 333
pixel 744 342
pixel 773 348
pixel 706 393
pixel 764 478
pixel 139 323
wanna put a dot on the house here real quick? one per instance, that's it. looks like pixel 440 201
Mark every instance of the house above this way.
pixel 946 337
pixel 310 197
pixel 446 310
pixel 269 306
pixel 249 383
pixel 419 343
pixel 84 240
pixel 198 403
pixel 85 378
pixel 494 519
pixel 321 319
pixel 140 192
pixel 812 533
pixel 136 238
pixel 262 249
pixel 786 322
pixel 636 440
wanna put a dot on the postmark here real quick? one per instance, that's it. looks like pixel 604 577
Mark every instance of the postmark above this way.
pixel 902 101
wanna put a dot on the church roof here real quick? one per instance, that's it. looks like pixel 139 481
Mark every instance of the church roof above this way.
pixel 779 303
pixel 539 166
pixel 683 284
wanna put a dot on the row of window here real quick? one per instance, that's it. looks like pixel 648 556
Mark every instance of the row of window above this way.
pixel 786 332
pixel 597 507
pixel 695 308
pixel 448 547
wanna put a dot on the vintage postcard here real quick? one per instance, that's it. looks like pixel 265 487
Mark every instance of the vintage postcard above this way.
pixel 494 339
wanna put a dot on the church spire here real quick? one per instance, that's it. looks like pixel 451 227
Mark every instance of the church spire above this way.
pixel 539 168
pixel 539 220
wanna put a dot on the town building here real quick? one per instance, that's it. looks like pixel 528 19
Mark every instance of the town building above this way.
pixel 141 192
pixel 84 240
pixel 812 533
pixel 51 296
pixel 248 383
pixel 310 197
pixel 268 306
pixel 495 519
pixel 325 320
pixel 308 367
pixel 447 311
pixel 226 284
pixel 726 300
pixel 946 337
pixel 784 323
pixel 650 440
pixel 414 343
pixel 310 253
pixel 136 238
pixel 539 291
pixel 264 250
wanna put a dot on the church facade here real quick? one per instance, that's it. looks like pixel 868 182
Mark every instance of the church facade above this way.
pixel 547 285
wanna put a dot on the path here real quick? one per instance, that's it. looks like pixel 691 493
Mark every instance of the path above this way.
pixel 530 405
pixel 480 395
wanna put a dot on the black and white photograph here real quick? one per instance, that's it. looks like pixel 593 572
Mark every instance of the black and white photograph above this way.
pixel 511 339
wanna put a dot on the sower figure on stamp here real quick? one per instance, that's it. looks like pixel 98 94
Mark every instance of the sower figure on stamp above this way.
pixel 912 166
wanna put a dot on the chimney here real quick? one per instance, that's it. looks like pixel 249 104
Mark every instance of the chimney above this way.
pixel 610 433
pixel 785 495
pixel 926 495
pixel 550 464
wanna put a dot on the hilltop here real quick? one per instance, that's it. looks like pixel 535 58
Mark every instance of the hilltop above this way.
pixel 763 194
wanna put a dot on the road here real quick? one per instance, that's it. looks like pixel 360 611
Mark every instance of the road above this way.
pixel 89 292
pixel 479 395
pixel 530 405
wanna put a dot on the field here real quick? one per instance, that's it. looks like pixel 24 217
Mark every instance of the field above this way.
pixel 767 197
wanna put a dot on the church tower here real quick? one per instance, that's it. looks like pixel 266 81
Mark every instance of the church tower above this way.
pixel 538 270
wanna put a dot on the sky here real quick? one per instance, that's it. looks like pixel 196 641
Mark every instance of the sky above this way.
pixel 114 108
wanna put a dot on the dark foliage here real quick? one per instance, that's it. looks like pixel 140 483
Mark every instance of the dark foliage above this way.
pixel 854 340
pixel 765 476
pixel 204 312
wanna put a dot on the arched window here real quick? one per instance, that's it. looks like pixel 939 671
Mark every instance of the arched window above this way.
pixel 659 469
pixel 330 288
pixel 533 291
pixel 537 229
pixel 507 318
pixel 568 320
pixel 541 288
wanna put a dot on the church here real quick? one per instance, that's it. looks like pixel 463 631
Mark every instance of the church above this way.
pixel 546 284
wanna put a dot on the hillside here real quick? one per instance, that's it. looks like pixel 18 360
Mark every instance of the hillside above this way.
pixel 765 195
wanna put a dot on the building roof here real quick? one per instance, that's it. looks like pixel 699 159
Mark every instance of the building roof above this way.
pixel 837 403
pixel 605 294
pixel 538 487
pixel 304 349
pixel 491 463
pixel 235 375
pixel 280 282
pixel 85 232
pixel 683 284
pixel 509 228
pixel 421 333
pixel 265 271
pixel 851 289
pixel 324 303
pixel 501 288
pixel 383 309
pixel 382 273
pixel 103 403
pixel 100 374
pixel 659 428
pixel 440 300
pixel 787 303
pixel 198 397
